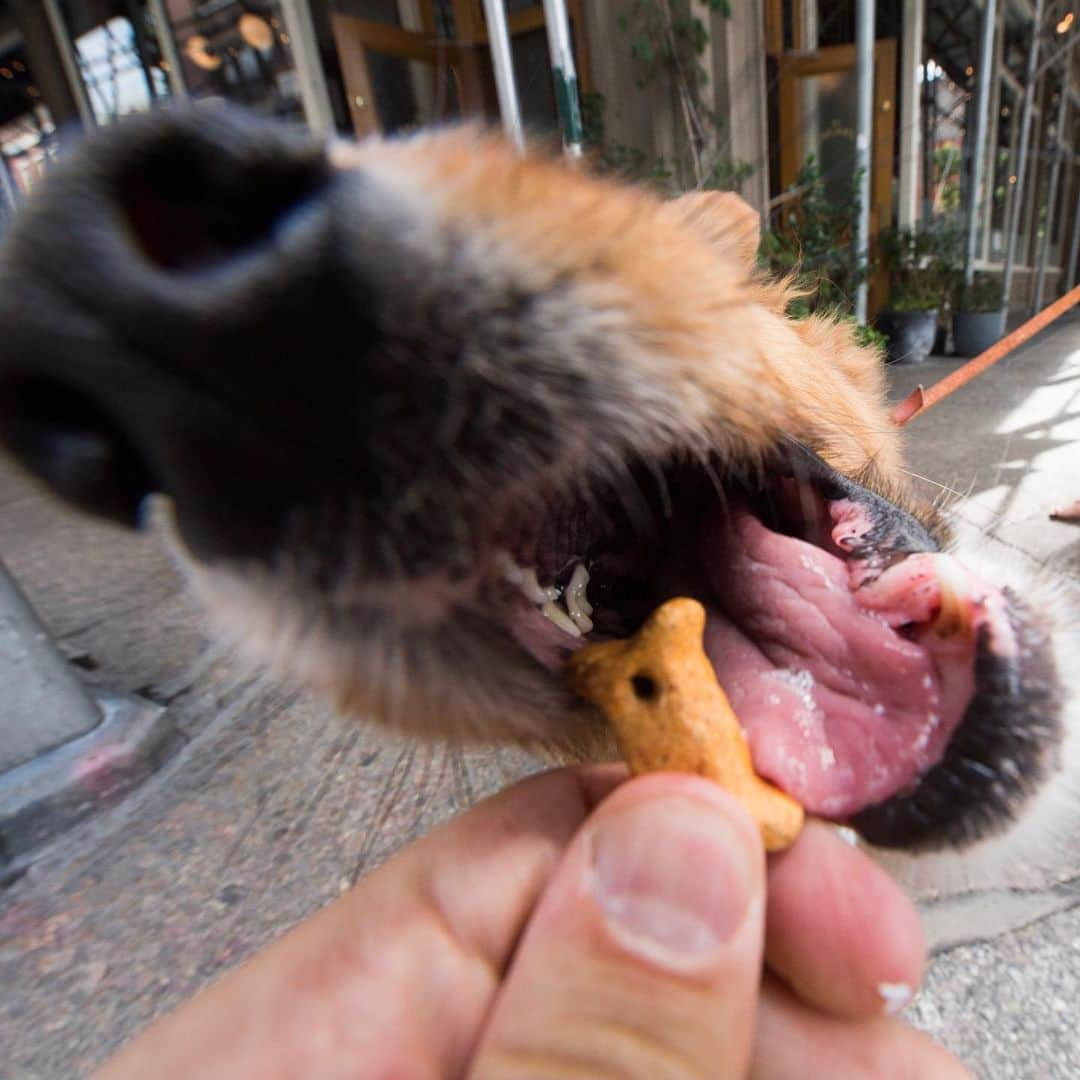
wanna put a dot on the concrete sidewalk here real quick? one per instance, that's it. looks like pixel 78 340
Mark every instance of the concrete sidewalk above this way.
pixel 1004 451
pixel 273 807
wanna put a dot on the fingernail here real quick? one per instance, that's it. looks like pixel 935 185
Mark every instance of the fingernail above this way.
pixel 674 878
pixel 897 996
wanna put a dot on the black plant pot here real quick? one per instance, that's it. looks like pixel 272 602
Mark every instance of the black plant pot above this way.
pixel 974 332
pixel 910 333
pixel 941 340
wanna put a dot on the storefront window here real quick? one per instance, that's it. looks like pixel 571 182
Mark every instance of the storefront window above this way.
pixel 1064 172
pixel 237 51
pixel 121 69
pixel 1032 213
pixel 1003 181
pixel 945 117
pixel 828 104
pixel 116 49
pixel 27 132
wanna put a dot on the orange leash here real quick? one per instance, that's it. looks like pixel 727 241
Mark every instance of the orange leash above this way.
pixel 919 400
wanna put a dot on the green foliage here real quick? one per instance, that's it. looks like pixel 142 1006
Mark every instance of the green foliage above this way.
pixel 868 337
pixel 593 106
pixel 924 265
pixel 811 237
pixel 668 40
pixel 985 294
pixel 666 34
pixel 917 299
pixel 618 159
pixel 947 177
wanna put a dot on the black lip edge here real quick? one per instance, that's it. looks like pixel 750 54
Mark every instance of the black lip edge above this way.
pixel 1006 745
pixel 800 463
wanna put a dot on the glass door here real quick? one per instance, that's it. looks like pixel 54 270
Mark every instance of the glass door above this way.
pixel 817 116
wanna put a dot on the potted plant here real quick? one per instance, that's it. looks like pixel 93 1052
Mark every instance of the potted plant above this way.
pixel 808 236
pixel 921 268
pixel 979 318
pixel 910 324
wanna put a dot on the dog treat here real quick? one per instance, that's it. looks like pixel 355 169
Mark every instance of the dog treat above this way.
pixel 661 697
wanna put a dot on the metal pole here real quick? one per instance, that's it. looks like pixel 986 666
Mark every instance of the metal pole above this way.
pixel 1022 153
pixel 564 73
pixel 138 34
pixel 502 60
pixel 1074 247
pixel 167 44
pixel 929 119
pixel 70 60
pixel 304 45
pixel 10 202
pixel 864 129
pixel 1055 174
pixel 1053 59
pixel 985 78
pixel 910 113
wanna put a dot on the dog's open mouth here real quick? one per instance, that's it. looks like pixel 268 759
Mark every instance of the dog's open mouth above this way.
pixel 846 641
pixel 349 403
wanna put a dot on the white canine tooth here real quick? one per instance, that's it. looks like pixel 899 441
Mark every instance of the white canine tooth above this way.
pixel 575 619
pixel 537 593
pixel 552 611
pixel 577 603
pixel 524 579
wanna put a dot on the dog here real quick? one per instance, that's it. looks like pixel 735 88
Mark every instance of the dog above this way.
pixel 430 415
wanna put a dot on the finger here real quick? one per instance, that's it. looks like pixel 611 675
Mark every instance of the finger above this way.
pixel 396 976
pixel 839 931
pixel 644 954
pixel 792 1040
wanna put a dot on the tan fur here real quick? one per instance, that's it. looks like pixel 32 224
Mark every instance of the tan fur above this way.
pixel 692 352
pixel 466 367
pixel 683 270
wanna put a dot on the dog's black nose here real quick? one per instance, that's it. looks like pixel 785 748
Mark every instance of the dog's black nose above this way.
pixel 66 440
pixel 163 326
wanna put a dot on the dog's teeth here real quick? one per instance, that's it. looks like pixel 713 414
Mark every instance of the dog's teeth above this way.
pixel 552 611
pixel 525 579
pixel 537 593
pixel 576 599
pixel 574 619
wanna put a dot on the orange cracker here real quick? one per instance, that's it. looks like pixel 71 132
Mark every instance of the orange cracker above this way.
pixel 661 697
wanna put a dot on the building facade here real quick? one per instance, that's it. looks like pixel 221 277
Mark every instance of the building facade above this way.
pixel 757 95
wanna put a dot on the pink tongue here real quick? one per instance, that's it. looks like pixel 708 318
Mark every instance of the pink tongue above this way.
pixel 841 711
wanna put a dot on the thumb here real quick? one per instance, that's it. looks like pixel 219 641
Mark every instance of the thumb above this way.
pixel 643 957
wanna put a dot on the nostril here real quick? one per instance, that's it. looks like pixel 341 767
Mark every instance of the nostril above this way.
pixel 192 200
pixel 65 439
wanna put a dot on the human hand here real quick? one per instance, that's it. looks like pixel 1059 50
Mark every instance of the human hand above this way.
pixel 566 928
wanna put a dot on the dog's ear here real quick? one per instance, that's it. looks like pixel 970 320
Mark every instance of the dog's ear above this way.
pixel 724 219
